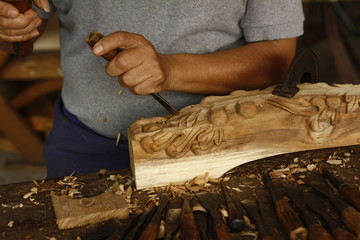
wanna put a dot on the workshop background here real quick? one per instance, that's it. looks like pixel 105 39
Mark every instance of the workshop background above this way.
pixel 30 85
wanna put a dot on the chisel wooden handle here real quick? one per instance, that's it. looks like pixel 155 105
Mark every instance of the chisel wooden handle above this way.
pixel 351 194
pixel 290 221
pixel 341 234
pixel 22 48
pixel 151 232
pixel 317 232
pixel 188 227
pixel 222 233
pixel 351 218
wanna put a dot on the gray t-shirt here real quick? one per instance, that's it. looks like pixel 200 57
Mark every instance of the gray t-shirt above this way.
pixel 173 26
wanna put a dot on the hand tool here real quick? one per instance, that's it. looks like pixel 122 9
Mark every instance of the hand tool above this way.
pixel 318 205
pixel 188 227
pixel 119 233
pixel 236 218
pixel 152 228
pixel 252 209
pixel 303 68
pixel 351 193
pixel 201 218
pixel 211 202
pixel 104 230
pixel 316 231
pixel 349 215
pixel 24 48
pixel 150 210
pixel 172 219
pixel 95 36
pixel 285 213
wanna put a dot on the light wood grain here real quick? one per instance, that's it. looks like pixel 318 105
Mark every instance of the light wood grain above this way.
pixel 223 132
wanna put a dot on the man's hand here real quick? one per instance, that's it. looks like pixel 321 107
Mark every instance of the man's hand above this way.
pixel 139 66
pixel 19 27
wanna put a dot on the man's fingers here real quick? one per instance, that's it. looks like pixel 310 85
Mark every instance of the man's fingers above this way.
pixel 122 40
pixel 124 61
pixel 7 10
pixel 43 4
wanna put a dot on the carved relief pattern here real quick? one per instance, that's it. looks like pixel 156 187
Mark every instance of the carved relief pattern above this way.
pixel 200 128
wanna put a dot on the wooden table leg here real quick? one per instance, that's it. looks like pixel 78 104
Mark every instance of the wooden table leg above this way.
pixel 15 129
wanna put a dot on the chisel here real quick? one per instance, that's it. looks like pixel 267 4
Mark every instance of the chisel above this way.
pixel 152 229
pixel 188 227
pixel 318 205
pixel 201 218
pixel 95 36
pixel 211 203
pixel 24 48
pixel 172 219
pixel 316 231
pixel 285 213
pixel 351 194
pixel 349 215
pixel 252 209
pixel 236 218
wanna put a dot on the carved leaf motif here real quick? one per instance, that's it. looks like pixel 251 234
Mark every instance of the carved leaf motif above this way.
pixel 353 103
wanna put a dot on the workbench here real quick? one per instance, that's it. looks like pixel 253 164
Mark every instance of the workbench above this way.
pixel 34 217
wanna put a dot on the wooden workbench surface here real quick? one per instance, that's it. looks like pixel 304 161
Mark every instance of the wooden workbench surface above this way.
pixel 34 217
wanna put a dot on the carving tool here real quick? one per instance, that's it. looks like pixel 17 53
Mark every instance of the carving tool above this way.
pixel 318 205
pixel 24 48
pixel 351 194
pixel 119 233
pixel 285 213
pixel 252 209
pixel 201 218
pixel 95 36
pixel 316 231
pixel 172 217
pixel 152 229
pixel 236 218
pixel 188 227
pixel 211 202
pixel 104 230
pixel 150 210
pixel 303 68
pixel 349 215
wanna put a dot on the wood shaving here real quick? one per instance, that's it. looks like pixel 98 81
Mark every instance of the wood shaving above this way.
pixel 101 172
pixel 334 162
pixel 237 189
pixel 11 224
pixel 120 91
pixel 311 167
pixel 118 139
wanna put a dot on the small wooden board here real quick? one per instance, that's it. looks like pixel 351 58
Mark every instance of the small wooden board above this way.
pixel 72 213
pixel 223 132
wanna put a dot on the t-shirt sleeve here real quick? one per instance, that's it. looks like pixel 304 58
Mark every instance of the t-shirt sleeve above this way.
pixel 272 19
pixel 42 13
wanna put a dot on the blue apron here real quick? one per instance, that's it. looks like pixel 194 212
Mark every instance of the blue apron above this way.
pixel 73 147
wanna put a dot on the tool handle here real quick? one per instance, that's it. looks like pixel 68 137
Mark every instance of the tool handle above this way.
pixel 341 234
pixel 22 48
pixel 222 233
pixel 188 228
pixel 150 232
pixel 351 194
pixel 317 232
pixel 290 220
pixel 351 218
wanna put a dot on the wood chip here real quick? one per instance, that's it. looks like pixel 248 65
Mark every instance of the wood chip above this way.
pixel 11 224
pixel 334 162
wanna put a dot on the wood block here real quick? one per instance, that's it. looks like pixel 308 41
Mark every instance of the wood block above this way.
pixel 72 213
pixel 223 132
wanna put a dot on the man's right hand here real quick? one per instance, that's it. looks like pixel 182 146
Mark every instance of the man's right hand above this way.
pixel 19 27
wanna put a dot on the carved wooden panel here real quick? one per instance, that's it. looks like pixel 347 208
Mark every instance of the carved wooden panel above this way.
pixel 223 132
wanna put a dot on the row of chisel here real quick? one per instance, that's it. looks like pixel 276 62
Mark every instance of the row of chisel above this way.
pixel 199 218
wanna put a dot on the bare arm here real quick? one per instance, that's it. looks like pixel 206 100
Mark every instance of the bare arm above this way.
pixel 143 70
pixel 253 66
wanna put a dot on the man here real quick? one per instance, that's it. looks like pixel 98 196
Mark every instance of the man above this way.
pixel 184 50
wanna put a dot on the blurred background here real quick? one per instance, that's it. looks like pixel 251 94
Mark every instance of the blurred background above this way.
pixel 30 85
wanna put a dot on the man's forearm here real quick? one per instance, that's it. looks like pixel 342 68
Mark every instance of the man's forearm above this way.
pixel 253 66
